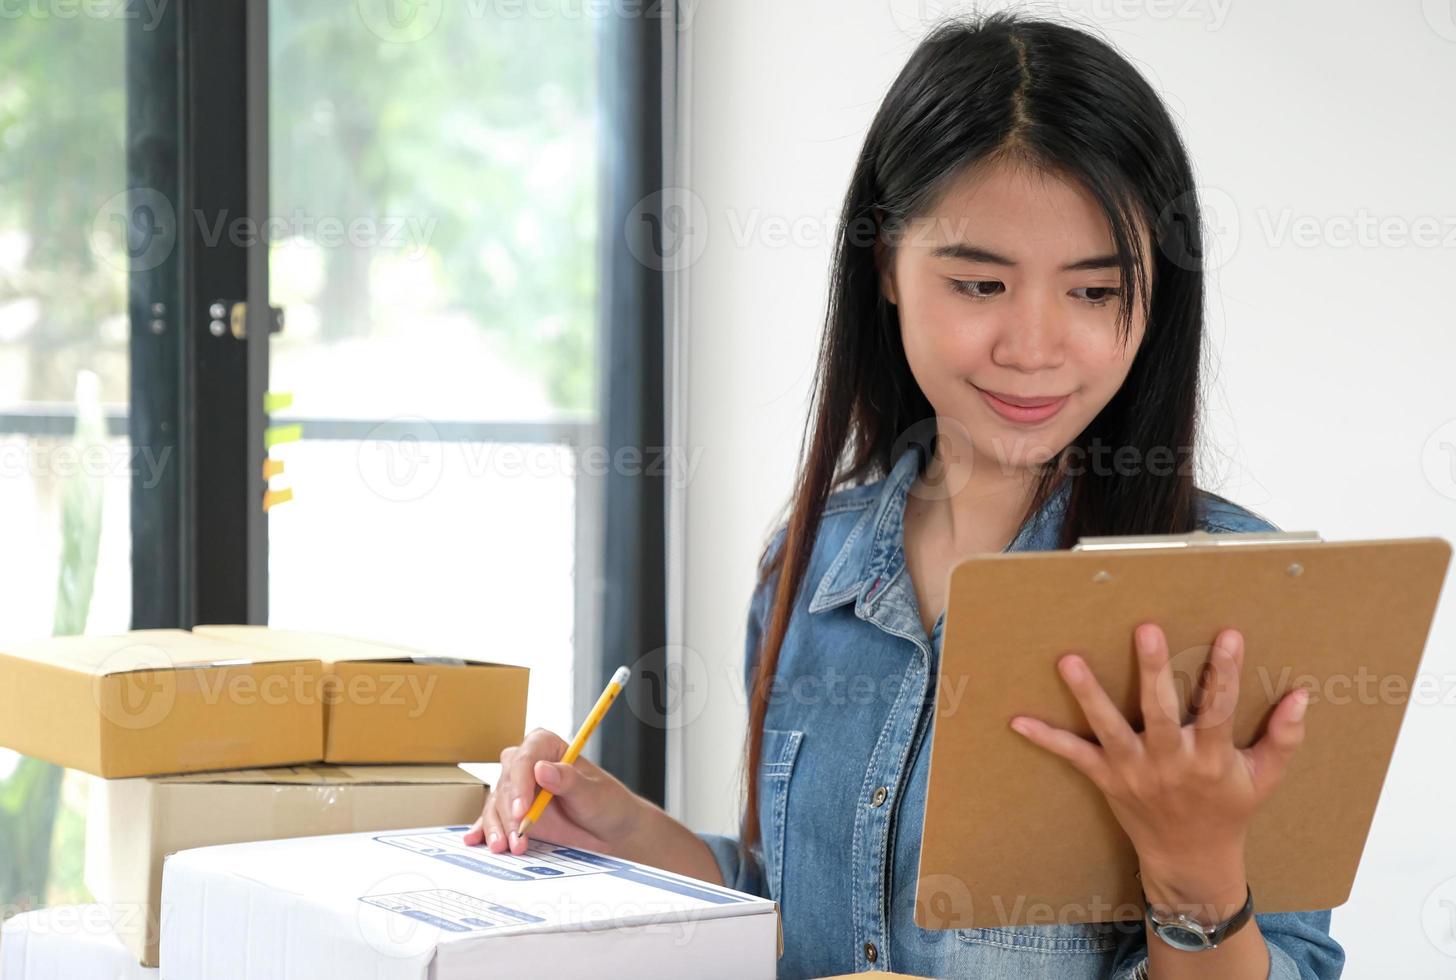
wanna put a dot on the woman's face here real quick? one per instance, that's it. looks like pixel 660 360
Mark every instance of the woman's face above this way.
pixel 1010 286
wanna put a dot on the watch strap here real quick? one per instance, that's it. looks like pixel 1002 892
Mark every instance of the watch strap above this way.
pixel 1215 934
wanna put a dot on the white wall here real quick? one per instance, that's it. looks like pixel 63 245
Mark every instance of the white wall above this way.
pixel 1332 406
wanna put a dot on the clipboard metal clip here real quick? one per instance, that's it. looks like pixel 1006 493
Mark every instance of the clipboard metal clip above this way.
pixel 1193 539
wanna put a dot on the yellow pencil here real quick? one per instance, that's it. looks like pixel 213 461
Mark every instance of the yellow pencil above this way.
pixel 614 687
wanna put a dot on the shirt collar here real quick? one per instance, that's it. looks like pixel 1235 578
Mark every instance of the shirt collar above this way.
pixel 873 551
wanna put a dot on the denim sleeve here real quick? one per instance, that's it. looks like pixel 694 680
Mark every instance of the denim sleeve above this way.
pixel 744 871
pixel 741 872
pixel 1300 948
pixel 1217 515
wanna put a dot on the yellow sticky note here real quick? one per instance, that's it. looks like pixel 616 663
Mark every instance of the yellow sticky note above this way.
pixel 273 498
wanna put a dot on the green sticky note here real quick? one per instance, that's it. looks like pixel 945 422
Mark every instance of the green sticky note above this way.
pixel 277 434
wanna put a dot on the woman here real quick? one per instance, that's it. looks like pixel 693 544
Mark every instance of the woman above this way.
pixel 1010 362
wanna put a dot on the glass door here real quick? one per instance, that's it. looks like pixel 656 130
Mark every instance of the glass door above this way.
pixel 434 185
pixel 66 463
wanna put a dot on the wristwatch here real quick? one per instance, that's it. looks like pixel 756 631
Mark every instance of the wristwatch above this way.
pixel 1188 934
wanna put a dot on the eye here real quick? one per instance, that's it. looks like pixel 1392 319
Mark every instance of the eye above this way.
pixel 972 287
pixel 1099 295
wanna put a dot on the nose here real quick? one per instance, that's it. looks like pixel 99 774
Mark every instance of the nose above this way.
pixel 1033 335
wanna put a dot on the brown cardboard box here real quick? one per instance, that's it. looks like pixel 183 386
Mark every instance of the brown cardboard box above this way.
pixel 388 703
pixel 154 701
pixel 134 823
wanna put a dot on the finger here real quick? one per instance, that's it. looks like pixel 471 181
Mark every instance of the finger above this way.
pixel 567 787
pixel 491 825
pixel 497 815
pixel 1269 757
pixel 1087 758
pixel 564 781
pixel 1213 726
pixel 1202 691
pixel 476 833
pixel 1107 722
pixel 539 744
pixel 1162 713
pixel 519 782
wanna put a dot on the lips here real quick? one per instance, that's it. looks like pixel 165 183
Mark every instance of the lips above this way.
pixel 1024 409
pixel 1025 402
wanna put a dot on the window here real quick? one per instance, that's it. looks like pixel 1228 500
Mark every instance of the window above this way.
pixel 434 209
pixel 434 249
pixel 65 459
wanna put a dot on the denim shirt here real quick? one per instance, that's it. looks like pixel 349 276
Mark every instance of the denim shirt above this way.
pixel 846 751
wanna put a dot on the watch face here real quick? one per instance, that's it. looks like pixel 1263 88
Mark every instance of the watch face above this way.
pixel 1182 937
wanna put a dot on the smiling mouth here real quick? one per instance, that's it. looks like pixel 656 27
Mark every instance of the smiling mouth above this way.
pixel 1022 401
pixel 1022 409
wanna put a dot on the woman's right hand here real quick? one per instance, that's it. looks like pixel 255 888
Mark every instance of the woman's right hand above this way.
pixel 591 807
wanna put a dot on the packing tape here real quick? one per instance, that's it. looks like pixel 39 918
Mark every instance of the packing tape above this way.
pixel 302 810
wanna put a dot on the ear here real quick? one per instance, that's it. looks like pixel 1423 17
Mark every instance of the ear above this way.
pixel 885 261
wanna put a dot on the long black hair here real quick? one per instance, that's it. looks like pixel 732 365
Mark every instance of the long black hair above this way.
pixel 977 91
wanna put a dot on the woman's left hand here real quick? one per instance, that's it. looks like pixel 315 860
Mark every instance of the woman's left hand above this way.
pixel 1184 793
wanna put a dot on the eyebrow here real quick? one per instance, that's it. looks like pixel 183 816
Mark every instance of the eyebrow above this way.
pixel 975 253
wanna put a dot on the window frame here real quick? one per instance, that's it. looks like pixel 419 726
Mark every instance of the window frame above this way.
pixel 197 134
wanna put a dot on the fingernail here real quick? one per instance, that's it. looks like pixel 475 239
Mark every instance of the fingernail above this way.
pixel 494 836
pixel 548 775
pixel 1301 702
pixel 518 807
pixel 1019 726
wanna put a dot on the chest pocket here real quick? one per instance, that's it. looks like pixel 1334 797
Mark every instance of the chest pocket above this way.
pixel 776 765
pixel 1093 937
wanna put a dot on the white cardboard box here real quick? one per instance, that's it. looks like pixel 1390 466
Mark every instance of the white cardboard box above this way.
pixel 133 823
pixel 420 905
pixel 68 942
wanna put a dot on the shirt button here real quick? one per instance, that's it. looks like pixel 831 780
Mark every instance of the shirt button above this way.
pixel 880 794
pixel 871 954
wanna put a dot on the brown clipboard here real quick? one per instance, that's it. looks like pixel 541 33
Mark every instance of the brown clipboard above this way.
pixel 1014 835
